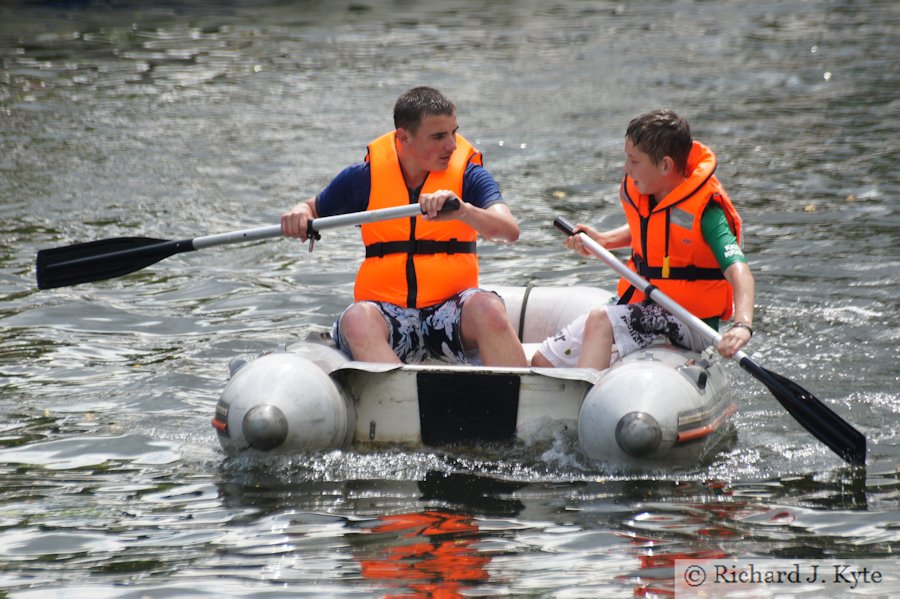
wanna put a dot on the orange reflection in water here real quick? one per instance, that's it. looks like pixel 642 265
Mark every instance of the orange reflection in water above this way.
pixel 434 556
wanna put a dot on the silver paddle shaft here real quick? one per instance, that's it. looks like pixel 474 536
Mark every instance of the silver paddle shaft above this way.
pixel 317 224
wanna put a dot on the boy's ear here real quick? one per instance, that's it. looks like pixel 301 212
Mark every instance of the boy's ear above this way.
pixel 404 136
pixel 668 165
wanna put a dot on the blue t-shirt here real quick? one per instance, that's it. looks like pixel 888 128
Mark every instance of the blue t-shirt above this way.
pixel 349 191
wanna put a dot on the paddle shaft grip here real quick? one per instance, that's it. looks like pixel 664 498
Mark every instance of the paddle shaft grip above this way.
pixel 451 205
pixel 358 218
pixel 564 225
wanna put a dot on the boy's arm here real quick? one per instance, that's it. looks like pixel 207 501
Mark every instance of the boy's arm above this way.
pixel 744 288
pixel 495 223
pixel 613 239
pixel 483 208
pixel 743 285
pixel 718 235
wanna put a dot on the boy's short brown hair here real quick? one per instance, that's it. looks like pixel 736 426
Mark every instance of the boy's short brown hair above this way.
pixel 415 104
pixel 662 133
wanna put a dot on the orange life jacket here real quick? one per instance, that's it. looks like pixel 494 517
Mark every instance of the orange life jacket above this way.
pixel 410 261
pixel 667 245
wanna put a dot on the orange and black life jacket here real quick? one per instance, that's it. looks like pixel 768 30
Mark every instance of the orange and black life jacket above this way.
pixel 667 245
pixel 412 262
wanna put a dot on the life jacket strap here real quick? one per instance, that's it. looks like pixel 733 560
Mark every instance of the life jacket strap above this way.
pixel 420 246
pixel 677 273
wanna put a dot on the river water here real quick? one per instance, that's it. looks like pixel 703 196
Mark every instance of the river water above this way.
pixel 157 119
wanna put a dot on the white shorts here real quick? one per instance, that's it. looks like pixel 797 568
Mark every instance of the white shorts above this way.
pixel 634 326
pixel 563 348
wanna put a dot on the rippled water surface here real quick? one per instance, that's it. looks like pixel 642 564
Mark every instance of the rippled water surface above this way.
pixel 157 119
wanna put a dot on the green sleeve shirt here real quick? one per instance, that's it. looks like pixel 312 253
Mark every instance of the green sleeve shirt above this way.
pixel 719 237
pixel 722 242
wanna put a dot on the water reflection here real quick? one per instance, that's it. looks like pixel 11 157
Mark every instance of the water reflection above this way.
pixel 432 550
pixel 428 554
pixel 720 519
pixel 435 552
pixel 466 529
pixel 477 494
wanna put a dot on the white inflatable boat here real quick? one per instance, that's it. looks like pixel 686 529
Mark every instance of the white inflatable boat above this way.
pixel 658 407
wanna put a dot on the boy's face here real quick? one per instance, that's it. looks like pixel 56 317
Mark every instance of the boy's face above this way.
pixel 433 143
pixel 649 178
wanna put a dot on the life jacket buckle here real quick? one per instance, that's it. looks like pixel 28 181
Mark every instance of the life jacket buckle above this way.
pixel 312 240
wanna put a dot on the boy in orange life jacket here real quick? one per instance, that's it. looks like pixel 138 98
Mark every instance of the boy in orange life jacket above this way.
pixel 685 238
pixel 416 293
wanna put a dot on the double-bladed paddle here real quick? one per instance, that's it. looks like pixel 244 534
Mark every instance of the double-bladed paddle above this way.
pixel 806 409
pixel 117 256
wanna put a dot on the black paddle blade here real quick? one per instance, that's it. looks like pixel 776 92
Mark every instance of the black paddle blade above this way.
pixel 103 259
pixel 815 416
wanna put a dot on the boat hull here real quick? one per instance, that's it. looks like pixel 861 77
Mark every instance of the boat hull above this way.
pixel 660 406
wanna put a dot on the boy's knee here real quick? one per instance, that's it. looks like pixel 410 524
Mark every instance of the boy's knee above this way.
pixel 598 319
pixel 487 310
pixel 357 321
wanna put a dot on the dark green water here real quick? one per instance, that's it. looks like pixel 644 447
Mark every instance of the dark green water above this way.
pixel 156 119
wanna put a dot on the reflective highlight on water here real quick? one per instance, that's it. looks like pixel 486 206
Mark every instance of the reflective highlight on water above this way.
pixel 173 121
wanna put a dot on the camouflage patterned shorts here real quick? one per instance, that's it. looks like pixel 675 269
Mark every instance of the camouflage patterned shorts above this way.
pixel 417 334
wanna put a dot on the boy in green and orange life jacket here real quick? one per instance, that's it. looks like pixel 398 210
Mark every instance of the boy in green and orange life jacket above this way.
pixel 685 237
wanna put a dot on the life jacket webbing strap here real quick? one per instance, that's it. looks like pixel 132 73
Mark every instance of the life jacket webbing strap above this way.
pixel 678 273
pixel 626 297
pixel 420 246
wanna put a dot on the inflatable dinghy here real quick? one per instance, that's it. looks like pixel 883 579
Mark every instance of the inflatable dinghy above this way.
pixel 660 406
